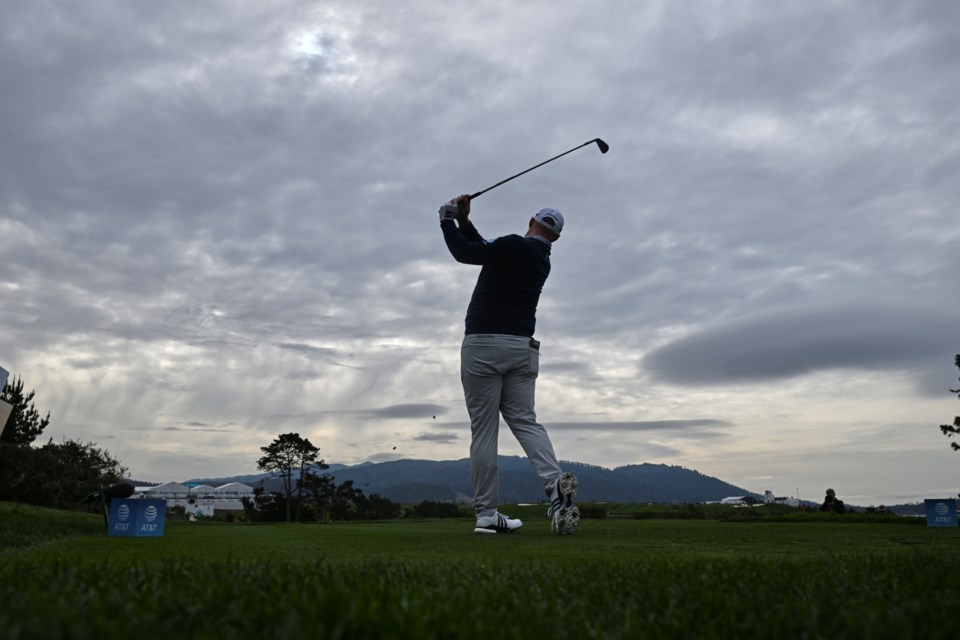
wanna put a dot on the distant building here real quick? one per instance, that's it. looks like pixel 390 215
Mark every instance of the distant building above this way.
pixel 769 498
pixel 229 496
pixel 200 500
pixel 174 493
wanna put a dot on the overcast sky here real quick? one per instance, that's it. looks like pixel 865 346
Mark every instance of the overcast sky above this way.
pixel 218 223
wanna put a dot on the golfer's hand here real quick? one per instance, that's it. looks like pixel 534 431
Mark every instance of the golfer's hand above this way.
pixel 463 208
pixel 448 211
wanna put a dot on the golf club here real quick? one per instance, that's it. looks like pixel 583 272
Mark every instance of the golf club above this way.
pixel 604 147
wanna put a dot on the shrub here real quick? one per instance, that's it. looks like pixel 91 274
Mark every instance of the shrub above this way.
pixel 593 511
pixel 431 509
pixel 177 512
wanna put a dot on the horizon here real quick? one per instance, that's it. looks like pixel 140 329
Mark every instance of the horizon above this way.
pixel 202 479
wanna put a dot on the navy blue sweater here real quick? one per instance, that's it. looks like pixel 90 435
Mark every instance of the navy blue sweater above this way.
pixel 508 289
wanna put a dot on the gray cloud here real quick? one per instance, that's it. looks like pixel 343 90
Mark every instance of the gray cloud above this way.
pixel 783 344
pixel 319 352
pixel 407 411
pixel 698 428
pixel 195 428
pixel 650 451
pixel 440 438
pixel 383 457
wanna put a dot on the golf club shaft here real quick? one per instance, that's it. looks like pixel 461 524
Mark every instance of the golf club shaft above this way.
pixel 600 143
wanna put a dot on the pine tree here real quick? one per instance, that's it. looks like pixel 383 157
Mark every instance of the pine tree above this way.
pixel 288 457
pixel 951 430
pixel 24 423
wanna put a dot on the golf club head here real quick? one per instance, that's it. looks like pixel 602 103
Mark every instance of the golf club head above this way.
pixel 604 147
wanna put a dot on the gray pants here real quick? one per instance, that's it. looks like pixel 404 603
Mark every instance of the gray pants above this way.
pixel 499 375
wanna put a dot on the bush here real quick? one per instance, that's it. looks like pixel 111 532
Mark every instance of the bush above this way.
pixel 56 475
pixel 265 507
pixel 431 509
pixel 374 507
pixel 593 511
pixel 177 512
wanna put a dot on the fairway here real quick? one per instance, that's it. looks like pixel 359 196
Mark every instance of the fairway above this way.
pixel 618 578
pixel 454 541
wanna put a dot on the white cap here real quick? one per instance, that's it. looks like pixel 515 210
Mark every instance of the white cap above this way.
pixel 550 219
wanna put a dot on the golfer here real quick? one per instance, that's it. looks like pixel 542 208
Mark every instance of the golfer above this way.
pixel 500 359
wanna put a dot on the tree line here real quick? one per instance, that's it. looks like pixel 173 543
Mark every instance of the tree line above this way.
pixel 308 494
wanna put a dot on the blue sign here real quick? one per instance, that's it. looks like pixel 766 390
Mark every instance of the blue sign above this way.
pixel 941 513
pixel 137 518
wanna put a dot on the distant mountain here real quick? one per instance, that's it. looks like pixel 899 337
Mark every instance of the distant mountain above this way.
pixel 253 479
pixel 412 481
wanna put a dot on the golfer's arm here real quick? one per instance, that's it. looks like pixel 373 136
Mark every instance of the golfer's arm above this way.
pixel 472 249
pixel 470 232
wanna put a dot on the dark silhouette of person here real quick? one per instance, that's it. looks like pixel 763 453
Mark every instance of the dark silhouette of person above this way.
pixel 832 504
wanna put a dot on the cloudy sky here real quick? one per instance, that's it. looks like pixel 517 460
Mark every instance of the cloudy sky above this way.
pixel 218 223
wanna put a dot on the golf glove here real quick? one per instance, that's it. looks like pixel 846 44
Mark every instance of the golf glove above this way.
pixel 448 211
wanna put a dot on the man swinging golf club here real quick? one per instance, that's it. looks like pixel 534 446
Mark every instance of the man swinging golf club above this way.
pixel 499 359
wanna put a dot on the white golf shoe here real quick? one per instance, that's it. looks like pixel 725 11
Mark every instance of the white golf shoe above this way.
pixel 564 513
pixel 497 523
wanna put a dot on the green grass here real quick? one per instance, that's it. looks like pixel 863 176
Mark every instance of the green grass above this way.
pixel 618 578
pixel 23 526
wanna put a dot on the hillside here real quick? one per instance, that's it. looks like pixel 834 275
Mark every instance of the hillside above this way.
pixel 411 481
